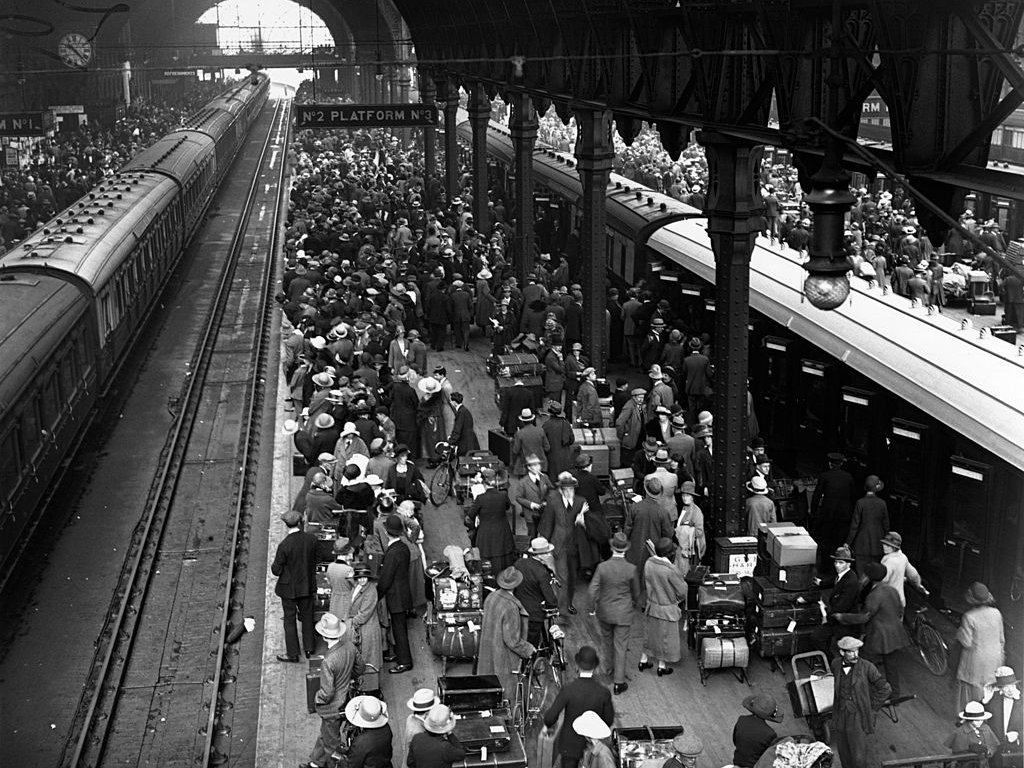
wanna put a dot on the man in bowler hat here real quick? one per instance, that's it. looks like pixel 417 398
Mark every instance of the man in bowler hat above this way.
pixel 393 586
pixel 579 696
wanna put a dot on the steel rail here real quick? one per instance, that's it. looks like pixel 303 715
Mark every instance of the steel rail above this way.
pixel 103 684
pixel 215 736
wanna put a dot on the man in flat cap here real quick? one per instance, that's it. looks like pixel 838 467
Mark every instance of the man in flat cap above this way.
pixel 688 748
pixel 860 691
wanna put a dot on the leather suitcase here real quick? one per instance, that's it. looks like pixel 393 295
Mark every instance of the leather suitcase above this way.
pixel 513 757
pixel 452 638
pixel 475 733
pixel 312 683
pixel 469 693
pixel 721 595
pixel 779 642
pixel 770 596
pixel 805 615
pixel 794 578
pixel 500 445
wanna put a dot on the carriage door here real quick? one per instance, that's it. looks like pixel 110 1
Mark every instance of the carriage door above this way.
pixel 968 502
pixel 770 380
pixel 813 416
pixel 907 441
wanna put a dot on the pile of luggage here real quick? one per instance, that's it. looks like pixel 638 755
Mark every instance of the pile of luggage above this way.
pixel 483 724
pixel 786 601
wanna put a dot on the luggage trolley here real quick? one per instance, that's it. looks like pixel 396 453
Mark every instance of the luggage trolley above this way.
pixel 454 618
pixel 720 634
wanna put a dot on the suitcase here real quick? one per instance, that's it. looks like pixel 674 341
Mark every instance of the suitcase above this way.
pixel 476 733
pixel 984 305
pixel 312 683
pixel 452 637
pixel 736 554
pixel 500 445
pixel 694 578
pixel 521 364
pixel 779 642
pixel 513 757
pixel 721 595
pixel 791 577
pixel 323 591
pixel 1004 333
pixel 770 596
pixel 644 747
pixel 791 550
pixel 724 652
pixel 299 465
pixel 804 615
pixel 469 693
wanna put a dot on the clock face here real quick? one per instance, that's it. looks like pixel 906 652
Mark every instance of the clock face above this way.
pixel 75 49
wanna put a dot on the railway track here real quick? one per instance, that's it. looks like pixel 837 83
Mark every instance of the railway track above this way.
pixel 161 684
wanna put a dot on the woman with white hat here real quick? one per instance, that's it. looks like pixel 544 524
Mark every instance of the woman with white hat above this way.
pixel 436 746
pixel 372 745
pixel 973 734
pixel 590 726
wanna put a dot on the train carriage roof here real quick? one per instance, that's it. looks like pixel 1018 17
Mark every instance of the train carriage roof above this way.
pixel 90 239
pixel 971 382
pixel 36 313
pixel 177 154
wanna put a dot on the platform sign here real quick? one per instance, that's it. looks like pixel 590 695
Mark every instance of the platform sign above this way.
pixel 25 123
pixel 365 115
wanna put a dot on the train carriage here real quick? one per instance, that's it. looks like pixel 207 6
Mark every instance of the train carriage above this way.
pixel 932 406
pixel 76 292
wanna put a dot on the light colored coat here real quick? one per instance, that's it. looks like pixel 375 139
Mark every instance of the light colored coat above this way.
pixel 666 589
pixel 503 643
pixel 364 624
pixel 981 635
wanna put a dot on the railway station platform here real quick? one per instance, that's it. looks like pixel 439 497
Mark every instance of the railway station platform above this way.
pixel 286 733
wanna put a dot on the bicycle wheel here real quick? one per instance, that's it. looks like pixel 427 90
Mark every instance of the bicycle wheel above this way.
pixel 543 684
pixel 441 484
pixel 518 716
pixel 932 648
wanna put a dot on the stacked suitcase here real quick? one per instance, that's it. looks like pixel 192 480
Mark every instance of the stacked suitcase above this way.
pixel 506 369
pixel 786 609
pixel 602 445
pixel 719 634
pixel 472 463
pixel 483 726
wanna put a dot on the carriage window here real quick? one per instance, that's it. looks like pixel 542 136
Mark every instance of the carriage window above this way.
pixel 31 439
pixel 68 380
pixel 777 369
pixel 10 464
pixel 907 455
pixel 856 427
pixel 815 394
pixel 968 499
pixel 49 403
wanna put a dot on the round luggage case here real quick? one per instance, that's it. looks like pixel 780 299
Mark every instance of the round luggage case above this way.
pixel 723 652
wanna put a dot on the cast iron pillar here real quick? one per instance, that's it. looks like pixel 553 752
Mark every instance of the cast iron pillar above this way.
pixel 479 117
pixel 451 144
pixel 594 154
pixel 733 203
pixel 428 94
pixel 523 126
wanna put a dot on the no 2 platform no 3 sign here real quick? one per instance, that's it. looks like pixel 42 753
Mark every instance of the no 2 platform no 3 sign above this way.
pixel 364 115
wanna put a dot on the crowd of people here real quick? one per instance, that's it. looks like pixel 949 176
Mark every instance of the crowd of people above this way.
pixel 375 283
pixel 63 167
pixel 885 241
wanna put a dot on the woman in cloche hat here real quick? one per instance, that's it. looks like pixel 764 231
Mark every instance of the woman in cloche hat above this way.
pixel 973 734
pixel 436 746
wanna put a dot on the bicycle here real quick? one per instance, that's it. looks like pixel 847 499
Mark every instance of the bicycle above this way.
pixel 928 640
pixel 444 476
pixel 540 677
